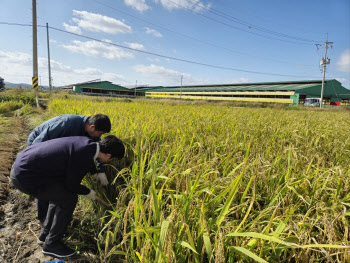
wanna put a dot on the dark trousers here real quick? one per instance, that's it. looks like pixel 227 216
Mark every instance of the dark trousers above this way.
pixel 61 207
pixel 42 207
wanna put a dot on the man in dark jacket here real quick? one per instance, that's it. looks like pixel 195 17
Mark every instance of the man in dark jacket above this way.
pixel 53 171
pixel 70 125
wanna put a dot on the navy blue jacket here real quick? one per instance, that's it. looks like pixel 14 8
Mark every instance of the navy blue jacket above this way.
pixel 65 125
pixel 65 160
pixel 61 126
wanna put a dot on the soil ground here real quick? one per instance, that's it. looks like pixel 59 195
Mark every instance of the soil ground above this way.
pixel 19 228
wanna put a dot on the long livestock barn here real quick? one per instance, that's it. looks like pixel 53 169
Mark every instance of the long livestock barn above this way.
pixel 291 92
pixel 102 88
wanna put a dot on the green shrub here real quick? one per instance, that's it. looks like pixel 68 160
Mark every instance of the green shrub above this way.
pixel 3 108
pixel 15 105
pixel 24 98
pixel 25 110
pixel 8 106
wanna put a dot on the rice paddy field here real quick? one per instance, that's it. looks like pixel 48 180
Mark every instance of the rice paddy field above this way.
pixel 215 183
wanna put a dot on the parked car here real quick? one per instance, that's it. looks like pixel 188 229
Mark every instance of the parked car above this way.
pixel 312 102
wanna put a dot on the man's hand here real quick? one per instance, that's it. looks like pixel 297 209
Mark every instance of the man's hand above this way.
pixel 91 195
pixel 102 178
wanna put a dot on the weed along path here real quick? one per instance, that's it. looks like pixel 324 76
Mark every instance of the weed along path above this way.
pixel 11 130
pixel 18 227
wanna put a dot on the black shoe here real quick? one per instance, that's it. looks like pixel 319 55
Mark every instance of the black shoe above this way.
pixel 41 239
pixel 58 249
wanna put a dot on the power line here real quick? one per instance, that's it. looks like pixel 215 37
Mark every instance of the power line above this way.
pixel 223 23
pixel 201 41
pixel 340 76
pixel 15 24
pixel 165 56
pixel 241 22
pixel 174 58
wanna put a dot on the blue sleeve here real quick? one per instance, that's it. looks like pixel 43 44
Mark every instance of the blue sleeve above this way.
pixel 42 137
pixel 58 127
pixel 31 138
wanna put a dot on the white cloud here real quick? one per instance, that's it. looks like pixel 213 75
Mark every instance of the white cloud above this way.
pixel 153 60
pixel 344 61
pixel 72 29
pixel 233 81
pixel 199 6
pixel 96 23
pixel 107 40
pixel 342 80
pixel 135 46
pixel 97 49
pixel 16 67
pixel 55 65
pixel 153 32
pixel 163 75
pixel 86 74
pixel 139 5
pixel 195 5
pixel 15 57
pixel 159 75
pixel 115 78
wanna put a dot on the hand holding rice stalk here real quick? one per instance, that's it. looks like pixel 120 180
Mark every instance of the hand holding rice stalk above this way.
pixel 92 196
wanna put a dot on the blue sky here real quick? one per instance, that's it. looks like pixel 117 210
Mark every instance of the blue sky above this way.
pixel 202 42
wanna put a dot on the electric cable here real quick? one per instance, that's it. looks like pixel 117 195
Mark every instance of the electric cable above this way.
pixel 174 58
pixel 201 41
pixel 223 23
pixel 241 22
pixel 163 56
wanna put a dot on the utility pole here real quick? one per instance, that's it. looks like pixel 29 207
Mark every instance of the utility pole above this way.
pixel 181 87
pixel 324 62
pixel 135 88
pixel 35 85
pixel 48 56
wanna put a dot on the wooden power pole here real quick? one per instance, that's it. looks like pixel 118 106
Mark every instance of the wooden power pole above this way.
pixel 35 84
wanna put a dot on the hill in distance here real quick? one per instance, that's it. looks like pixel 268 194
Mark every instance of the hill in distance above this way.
pixel 10 85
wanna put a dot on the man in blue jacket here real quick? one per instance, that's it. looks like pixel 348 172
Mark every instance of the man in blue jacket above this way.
pixel 65 126
pixel 53 171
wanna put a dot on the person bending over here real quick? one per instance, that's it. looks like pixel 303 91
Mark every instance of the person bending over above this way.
pixel 53 171
pixel 65 126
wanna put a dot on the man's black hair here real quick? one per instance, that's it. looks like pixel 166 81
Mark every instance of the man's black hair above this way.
pixel 101 122
pixel 112 145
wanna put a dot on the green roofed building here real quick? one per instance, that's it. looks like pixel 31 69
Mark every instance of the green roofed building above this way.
pixel 102 88
pixel 290 92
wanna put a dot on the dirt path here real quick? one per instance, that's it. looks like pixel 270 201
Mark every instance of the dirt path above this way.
pixel 11 133
pixel 18 227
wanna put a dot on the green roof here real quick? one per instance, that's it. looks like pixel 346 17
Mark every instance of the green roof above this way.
pixel 105 85
pixel 332 89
